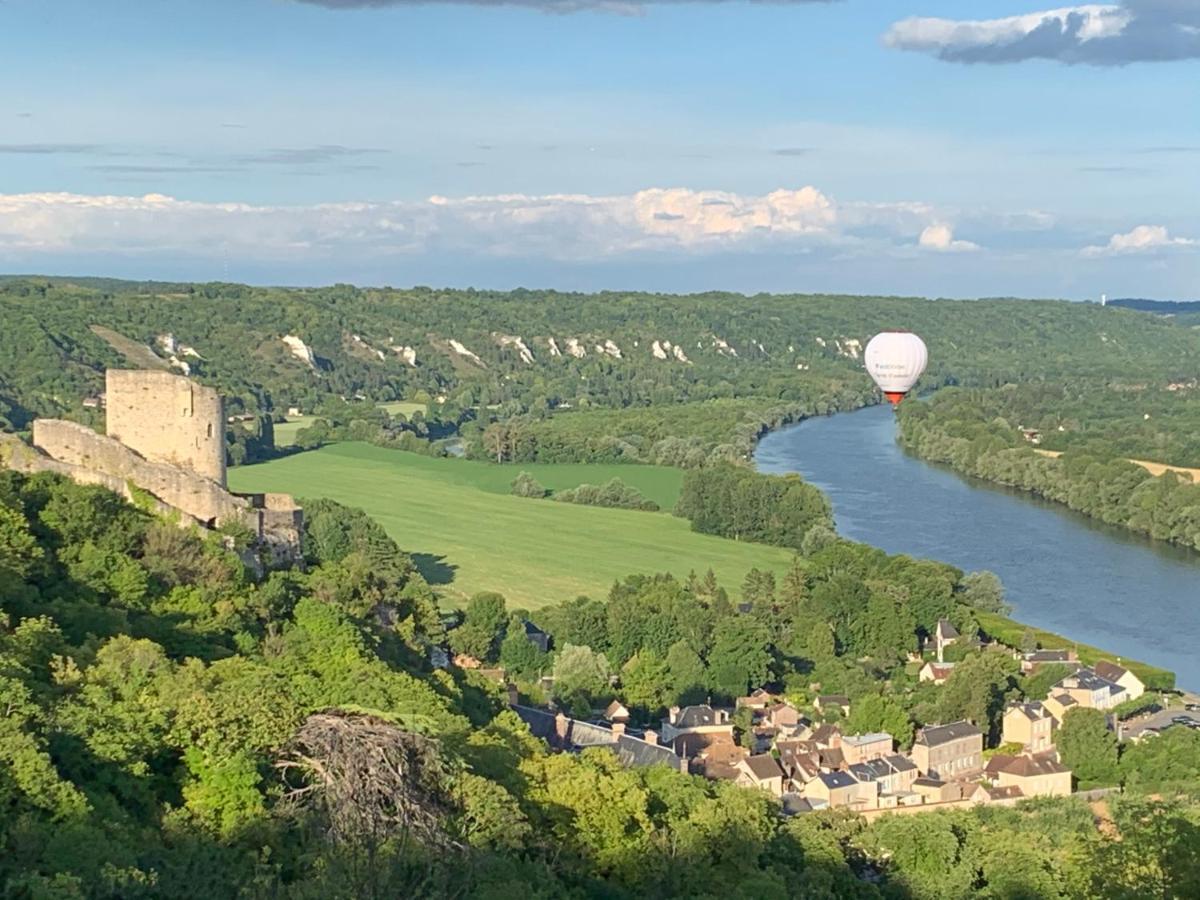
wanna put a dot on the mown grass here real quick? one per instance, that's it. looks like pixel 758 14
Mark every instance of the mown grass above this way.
pixel 468 534
pixel 285 432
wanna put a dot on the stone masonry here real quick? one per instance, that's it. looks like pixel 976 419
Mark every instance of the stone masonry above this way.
pixel 166 439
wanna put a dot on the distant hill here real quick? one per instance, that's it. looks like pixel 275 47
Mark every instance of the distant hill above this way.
pixel 1159 307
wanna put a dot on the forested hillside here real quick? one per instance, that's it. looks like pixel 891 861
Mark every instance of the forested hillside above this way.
pixel 1096 426
pixel 171 728
pixel 530 351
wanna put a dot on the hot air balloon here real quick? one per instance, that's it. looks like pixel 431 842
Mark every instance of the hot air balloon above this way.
pixel 896 359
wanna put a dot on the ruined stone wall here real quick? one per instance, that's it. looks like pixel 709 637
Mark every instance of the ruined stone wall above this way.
pixel 167 419
pixel 73 444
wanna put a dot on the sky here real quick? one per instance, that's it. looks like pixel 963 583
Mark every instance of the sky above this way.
pixel 849 146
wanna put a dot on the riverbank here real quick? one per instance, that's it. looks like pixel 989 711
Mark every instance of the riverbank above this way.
pixel 1154 468
pixel 1075 579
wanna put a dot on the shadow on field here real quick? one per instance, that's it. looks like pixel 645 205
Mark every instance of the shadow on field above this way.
pixel 434 569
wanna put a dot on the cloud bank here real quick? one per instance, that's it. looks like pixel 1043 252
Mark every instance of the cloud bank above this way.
pixel 1143 239
pixel 1094 34
pixel 564 227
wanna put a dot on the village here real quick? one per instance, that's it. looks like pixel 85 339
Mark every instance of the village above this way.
pixel 806 759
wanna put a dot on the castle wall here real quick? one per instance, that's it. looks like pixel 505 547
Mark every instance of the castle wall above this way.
pixel 167 419
pixel 76 445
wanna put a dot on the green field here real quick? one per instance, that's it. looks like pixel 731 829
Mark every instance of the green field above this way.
pixel 402 408
pixel 468 534
pixel 285 432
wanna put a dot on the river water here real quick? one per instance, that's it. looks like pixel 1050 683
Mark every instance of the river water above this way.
pixel 1064 572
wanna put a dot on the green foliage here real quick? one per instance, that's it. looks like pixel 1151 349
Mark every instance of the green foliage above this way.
pixel 525 485
pixel 483 627
pixel 582 678
pixel 614 493
pixel 138 736
pixel 1087 747
pixel 875 713
pixel 745 505
pixel 983 590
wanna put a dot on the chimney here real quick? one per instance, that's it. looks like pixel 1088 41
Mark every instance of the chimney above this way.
pixel 618 729
pixel 650 737
pixel 514 696
pixel 561 726
pixel 673 714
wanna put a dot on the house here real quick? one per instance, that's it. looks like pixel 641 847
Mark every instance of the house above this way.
pixel 949 751
pixel 1030 725
pixel 826 702
pixel 903 775
pixel 783 716
pixel 800 760
pixel 944 634
pixel 617 712
pixel 935 790
pixel 763 772
pixel 1090 690
pixel 92 403
pixel 537 637
pixel 758 699
pixel 1058 705
pixel 857 748
pixel 827 736
pixel 565 733
pixel 892 775
pixel 984 793
pixel 1119 675
pixel 692 729
pixel 937 672
pixel 1034 659
pixel 840 789
pixel 1035 776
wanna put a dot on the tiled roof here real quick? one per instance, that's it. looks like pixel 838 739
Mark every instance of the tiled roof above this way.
pixel 835 780
pixel 1031 766
pixel 901 763
pixel 632 752
pixel 936 735
pixel 763 766
pixel 859 740
pixel 1110 670
pixel 945 630
pixel 1032 711
pixel 696 717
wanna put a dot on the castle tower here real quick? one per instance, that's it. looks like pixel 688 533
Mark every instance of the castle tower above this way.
pixel 167 418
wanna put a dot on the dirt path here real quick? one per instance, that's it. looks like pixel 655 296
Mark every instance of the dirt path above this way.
pixel 1154 468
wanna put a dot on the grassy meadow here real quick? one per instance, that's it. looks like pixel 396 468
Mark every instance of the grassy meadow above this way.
pixel 285 432
pixel 468 534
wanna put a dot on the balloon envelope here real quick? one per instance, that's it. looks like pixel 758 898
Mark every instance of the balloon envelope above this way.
pixel 896 359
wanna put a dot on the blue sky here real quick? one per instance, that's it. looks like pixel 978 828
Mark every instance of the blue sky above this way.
pixel 804 146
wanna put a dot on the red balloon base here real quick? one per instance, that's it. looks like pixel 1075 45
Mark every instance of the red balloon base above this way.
pixel 894 397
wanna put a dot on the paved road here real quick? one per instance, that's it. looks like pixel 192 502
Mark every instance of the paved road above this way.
pixel 1159 720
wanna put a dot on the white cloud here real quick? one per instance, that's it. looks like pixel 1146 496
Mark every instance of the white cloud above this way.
pixel 940 237
pixel 1143 239
pixel 562 226
pixel 1096 34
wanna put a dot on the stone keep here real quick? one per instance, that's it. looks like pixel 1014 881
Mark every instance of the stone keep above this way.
pixel 167 418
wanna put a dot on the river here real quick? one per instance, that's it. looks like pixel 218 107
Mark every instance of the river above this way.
pixel 1063 572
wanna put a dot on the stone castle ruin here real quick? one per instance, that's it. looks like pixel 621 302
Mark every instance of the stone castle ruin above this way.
pixel 165 438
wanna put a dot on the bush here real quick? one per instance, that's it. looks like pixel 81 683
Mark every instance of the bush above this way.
pixel 525 485
pixel 614 493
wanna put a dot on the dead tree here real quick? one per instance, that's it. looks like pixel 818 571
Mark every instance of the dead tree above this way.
pixel 369 781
